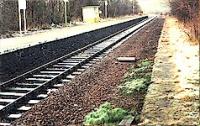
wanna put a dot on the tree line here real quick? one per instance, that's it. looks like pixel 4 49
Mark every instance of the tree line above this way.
pixel 41 14
pixel 188 12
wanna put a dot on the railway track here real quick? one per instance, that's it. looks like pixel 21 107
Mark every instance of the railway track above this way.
pixel 21 93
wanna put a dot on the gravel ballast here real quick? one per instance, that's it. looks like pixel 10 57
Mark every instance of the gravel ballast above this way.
pixel 71 103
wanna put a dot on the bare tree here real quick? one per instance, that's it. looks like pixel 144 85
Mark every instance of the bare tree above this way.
pixel 41 14
pixel 136 7
pixel 1 6
pixel 188 12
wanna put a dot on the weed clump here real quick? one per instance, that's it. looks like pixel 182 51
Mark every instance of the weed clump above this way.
pixel 106 114
pixel 132 86
pixel 138 78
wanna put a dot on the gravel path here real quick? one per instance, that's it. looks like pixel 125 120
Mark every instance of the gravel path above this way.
pixel 96 85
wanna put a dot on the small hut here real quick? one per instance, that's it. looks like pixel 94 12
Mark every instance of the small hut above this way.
pixel 91 14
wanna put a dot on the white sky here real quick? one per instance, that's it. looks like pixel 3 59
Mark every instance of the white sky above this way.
pixel 153 6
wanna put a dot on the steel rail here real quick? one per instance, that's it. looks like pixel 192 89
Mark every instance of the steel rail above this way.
pixel 56 78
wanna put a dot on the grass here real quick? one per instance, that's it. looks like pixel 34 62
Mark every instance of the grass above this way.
pixel 106 115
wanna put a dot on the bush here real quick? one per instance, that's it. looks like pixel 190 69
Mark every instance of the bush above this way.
pixel 188 12
pixel 105 114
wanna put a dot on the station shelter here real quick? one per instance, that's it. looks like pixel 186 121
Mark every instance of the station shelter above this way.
pixel 91 14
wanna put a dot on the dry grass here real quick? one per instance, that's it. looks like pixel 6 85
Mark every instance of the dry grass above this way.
pixel 188 12
pixel 193 30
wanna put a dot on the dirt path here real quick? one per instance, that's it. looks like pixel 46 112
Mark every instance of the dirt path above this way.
pixel 96 85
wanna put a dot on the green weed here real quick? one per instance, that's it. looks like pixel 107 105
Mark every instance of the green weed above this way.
pixel 132 86
pixel 138 78
pixel 106 114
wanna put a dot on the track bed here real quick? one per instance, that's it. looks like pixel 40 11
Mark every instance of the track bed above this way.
pixel 96 85
pixel 18 95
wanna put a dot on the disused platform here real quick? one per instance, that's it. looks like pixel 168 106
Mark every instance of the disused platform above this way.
pixel 173 98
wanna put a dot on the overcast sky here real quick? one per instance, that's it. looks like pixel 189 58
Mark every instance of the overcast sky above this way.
pixel 152 6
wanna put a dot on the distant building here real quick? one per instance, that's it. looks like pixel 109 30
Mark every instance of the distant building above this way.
pixel 91 14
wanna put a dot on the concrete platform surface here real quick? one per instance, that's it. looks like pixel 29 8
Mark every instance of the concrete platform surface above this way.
pixel 11 44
